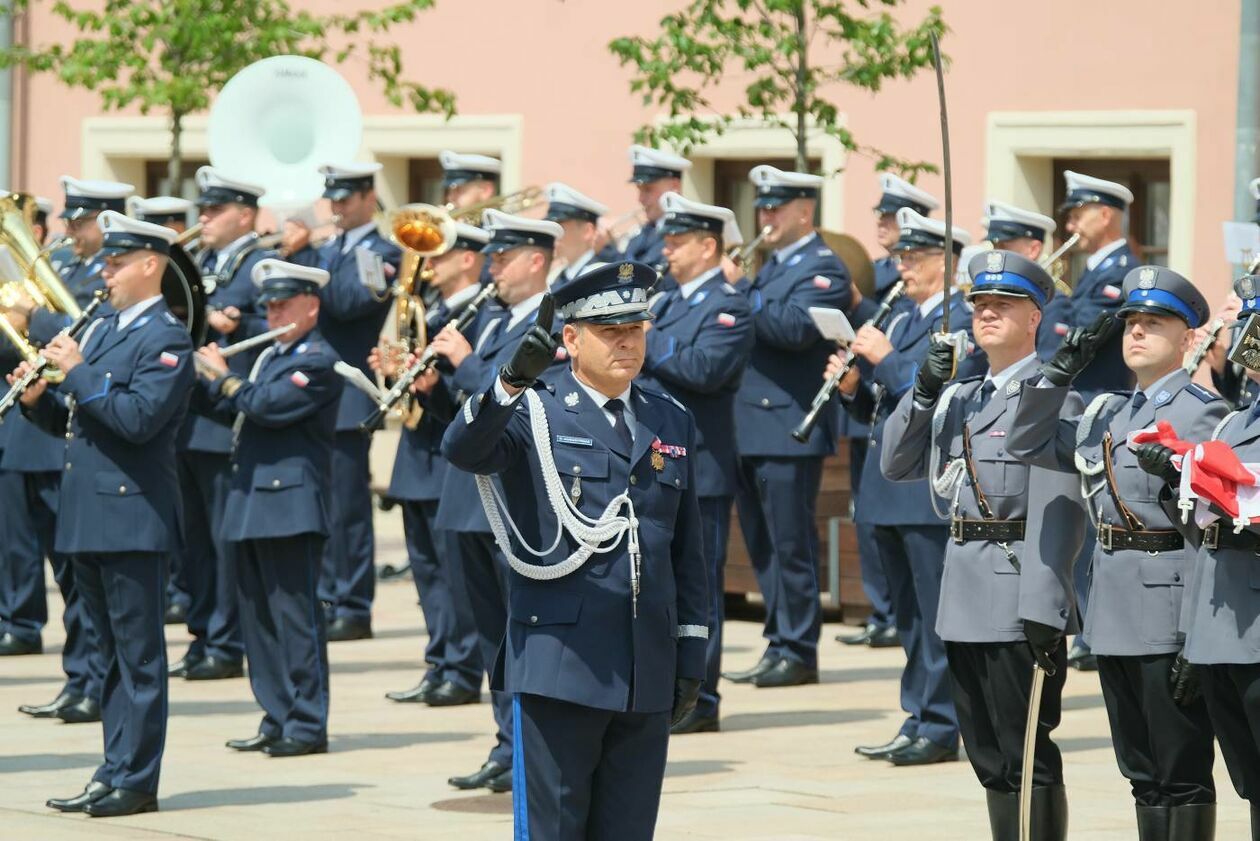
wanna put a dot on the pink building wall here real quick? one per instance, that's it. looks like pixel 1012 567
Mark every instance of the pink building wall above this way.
pixel 548 61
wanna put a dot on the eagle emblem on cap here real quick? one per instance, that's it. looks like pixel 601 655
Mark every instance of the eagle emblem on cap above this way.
pixel 994 261
pixel 1246 287
pixel 1146 279
pixel 626 272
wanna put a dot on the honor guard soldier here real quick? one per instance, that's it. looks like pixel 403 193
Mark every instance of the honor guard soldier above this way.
pixel 1014 531
pixel 353 308
pixel 1160 729
pixel 697 346
pixel 1010 228
pixel 125 391
pixel 605 644
pixel 170 211
pixel 275 520
pixel 520 253
pixel 653 173
pixel 778 477
pixel 909 535
pixel 579 215
pixel 205 576
pixel 453 673
pixel 469 180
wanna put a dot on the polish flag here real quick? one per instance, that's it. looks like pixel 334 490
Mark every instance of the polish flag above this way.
pixel 299 379
pixel 170 360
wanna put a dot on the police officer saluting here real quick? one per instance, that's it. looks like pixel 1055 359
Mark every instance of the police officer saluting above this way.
pixel 1159 725
pixel 602 649
pixel 579 215
pixel 119 407
pixel 275 519
pixel 1015 530
pixel 697 346
pixel 779 477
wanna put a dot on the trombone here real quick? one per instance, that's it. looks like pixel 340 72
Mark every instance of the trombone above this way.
pixel 739 254
pixel 513 203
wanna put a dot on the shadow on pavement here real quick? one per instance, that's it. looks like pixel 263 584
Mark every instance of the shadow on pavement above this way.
pixel 1083 702
pixel 259 795
pixel 864 673
pixel 47 762
pixel 697 767
pixel 797 718
pixel 1079 743
pixel 213 707
pixel 481 804
pixel 385 741
pixel 354 667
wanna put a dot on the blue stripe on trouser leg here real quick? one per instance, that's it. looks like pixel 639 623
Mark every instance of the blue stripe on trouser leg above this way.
pixel 520 805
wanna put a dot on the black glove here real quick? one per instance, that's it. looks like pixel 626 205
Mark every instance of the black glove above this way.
pixel 1044 641
pixel 1183 678
pixel 1157 460
pixel 536 352
pixel 686 693
pixel 1078 348
pixel 936 370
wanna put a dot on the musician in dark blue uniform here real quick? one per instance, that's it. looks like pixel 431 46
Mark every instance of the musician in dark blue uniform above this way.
pixel 579 215
pixel 362 264
pixel 603 649
pixel 654 173
pixel 698 344
pixel 169 211
pixel 276 517
pixel 779 477
pixel 125 391
pixel 519 252
pixel 908 532
pixel 37 456
pixel 468 181
pixel 228 212
pixel 453 662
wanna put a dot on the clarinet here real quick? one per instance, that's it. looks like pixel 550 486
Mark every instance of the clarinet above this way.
pixel 1200 351
pixel 41 364
pixel 823 397
pixel 426 361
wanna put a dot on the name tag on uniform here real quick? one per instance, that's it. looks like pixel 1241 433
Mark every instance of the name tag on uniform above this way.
pixel 371 269
pixel 575 442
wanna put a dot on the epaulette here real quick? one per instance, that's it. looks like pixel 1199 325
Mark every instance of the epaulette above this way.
pixel 1205 395
pixel 669 398
pixel 970 379
pixel 730 290
pixel 170 319
pixel 825 252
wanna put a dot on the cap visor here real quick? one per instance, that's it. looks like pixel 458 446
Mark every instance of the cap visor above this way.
pixel 71 213
pixel 269 295
pixel 498 247
pixel 1004 292
pixel 338 193
pixel 111 250
pixel 1152 308
pixel 619 318
pixel 677 228
pixel 770 202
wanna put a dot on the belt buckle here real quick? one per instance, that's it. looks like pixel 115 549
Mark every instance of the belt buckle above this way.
pixel 1104 536
pixel 956 530
pixel 1212 536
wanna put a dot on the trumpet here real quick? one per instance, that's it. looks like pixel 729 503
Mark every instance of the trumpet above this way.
pixel 240 347
pixel 1049 264
pixel 426 361
pixel 41 365
pixel 740 254
pixel 823 397
pixel 513 203
pixel 1200 352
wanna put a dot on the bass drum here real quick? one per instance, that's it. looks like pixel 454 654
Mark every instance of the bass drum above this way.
pixel 184 294
pixel 855 259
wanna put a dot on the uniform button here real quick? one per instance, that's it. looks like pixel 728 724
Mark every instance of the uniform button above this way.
pixel 122 489
pixel 677 482
pixel 67 465
pixel 533 620
pixel 765 401
pixel 275 483
pixel 577 468
pixel 1176 577
pixel 634 480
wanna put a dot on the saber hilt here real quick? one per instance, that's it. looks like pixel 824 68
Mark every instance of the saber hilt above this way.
pixel 41 363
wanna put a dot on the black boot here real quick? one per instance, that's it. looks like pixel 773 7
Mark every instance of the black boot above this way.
pixel 1152 823
pixel 1049 813
pixel 1003 814
pixel 1192 822
pixel 1255 822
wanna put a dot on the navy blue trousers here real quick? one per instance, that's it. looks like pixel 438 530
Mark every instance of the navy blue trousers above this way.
pixel 874 582
pixel 451 652
pixel 715 524
pixel 125 598
pixel 913 559
pixel 582 774
pixel 210 575
pixel 23 607
pixel 286 640
pixel 348 579
pixel 776 501
pixel 486 588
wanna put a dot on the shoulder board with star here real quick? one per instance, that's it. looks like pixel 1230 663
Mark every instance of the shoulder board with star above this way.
pixel 661 395
pixel 1205 395
pixel 971 379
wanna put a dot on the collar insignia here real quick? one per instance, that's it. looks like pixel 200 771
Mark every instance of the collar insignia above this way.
pixel 571 399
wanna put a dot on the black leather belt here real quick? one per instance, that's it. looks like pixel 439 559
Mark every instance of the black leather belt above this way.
pixel 1111 539
pixel 997 531
pixel 1215 537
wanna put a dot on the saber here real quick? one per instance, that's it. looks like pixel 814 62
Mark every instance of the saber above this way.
pixel 41 363
pixel 1201 350
pixel 1030 743
pixel 949 191
pixel 240 347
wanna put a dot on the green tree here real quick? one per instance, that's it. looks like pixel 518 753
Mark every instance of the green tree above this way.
pixel 172 55
pixel 786 54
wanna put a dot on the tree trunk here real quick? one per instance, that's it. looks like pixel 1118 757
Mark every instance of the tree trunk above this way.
pixel 802 76
pixel 176 163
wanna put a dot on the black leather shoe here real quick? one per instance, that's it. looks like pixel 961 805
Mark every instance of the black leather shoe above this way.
pixel 882 751
pixel 85 711
pixel 11 646
pixel 343 629
pixel 694 722
pixel 416 694
pixel 1081 658
pixel 254 743
pixel 215 668
pixel 766 663
pixel 923 751
pixel 121 802
pixel 480 778
pixel 862 638
pixel 49 710
pixel 94 791
pixel 292 747
pixel 181 666
pixel 176 614
pixel 786 672
pixel 448 694
pixel 389 572
pixel 886 638
pixel 501 783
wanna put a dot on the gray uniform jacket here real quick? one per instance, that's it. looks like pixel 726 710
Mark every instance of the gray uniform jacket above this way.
pixel 984 598
pixel 1135 596
pixel 1222 614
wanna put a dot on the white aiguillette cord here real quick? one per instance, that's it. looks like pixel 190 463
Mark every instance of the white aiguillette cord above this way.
pixel 599 535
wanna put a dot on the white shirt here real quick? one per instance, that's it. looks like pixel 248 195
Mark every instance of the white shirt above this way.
pixel 1000 380
pixel 571 270
pixel 926 308
pixel 466 294
pixel 1094 260
pixel 127 316
pixel 222 256
pixel 524 308
pixel 601 400
pixel 355 235
pixel 788 250
pixel 685 289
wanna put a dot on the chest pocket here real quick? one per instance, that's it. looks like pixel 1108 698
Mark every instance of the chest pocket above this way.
pixel 1136 485
pixel 277 478
pixel 114 483
pixel 1001 475
pixel 674 473
pixel 581 462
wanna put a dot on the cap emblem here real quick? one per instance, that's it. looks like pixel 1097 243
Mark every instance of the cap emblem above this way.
pixel 994 261
pixel 625 273
pixel 1146 279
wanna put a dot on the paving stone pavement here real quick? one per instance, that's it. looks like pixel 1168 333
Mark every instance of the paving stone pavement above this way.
pixel 783 768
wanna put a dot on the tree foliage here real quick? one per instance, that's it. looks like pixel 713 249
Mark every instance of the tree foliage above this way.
pixel 785 54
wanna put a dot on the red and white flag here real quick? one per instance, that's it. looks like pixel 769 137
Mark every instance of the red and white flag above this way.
pixel 726 319
pixel 299 379
pixel 170 360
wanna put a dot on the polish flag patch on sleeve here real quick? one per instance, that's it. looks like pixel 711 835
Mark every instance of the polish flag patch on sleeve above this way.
pixel 822 282
pixel 562 353
pixel 1110 291
pixel 299 379
pixel 726 319
pixel 1060 329
pixel 170 360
